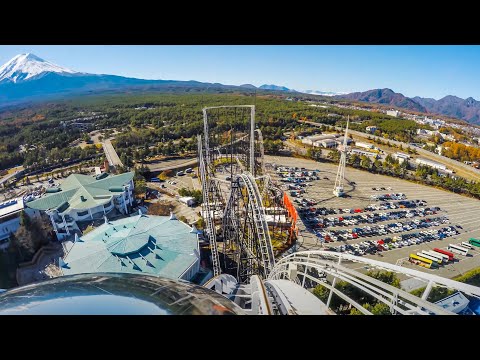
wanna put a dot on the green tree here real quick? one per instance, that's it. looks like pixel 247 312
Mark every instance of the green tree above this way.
pixel 355 311
pixel 388 277
pixel 378 309
pixel 365 162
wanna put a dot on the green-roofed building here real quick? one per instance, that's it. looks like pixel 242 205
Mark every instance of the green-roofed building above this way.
pixel 84 198
pixel 147 244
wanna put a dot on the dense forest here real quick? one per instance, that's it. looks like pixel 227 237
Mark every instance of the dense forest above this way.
pixel 43 134
pixel 150 124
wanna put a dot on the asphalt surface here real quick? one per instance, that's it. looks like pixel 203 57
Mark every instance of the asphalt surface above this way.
pixel 163 165
pixel 459 209
pixel 111 154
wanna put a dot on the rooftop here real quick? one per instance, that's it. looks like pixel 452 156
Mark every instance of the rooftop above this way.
pixel 82 192
pixel 147 244
pixel 454 303
pixel 11 206
pixel 428 161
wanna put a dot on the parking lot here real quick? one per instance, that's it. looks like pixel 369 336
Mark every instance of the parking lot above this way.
pixel 420 218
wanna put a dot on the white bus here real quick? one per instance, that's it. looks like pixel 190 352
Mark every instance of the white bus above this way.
pixel 426 256
pixel 443 256
pixel 458 249
pixel 466 245
pixel 435 255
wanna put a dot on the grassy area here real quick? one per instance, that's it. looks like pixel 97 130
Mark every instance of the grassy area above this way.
pixel 471 277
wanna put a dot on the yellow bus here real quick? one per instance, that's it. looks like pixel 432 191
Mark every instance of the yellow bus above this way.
pixel 430 257
pixel 421 261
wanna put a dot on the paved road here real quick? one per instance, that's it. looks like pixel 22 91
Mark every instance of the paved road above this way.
pixel 12 175
pixel 164 165
pixel 111 154
pixel 421 151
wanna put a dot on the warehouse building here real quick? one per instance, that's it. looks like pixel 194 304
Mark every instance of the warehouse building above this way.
pixel 310 140
pixel 326 143
pixel 430 163
pixel 341 139
pixel 364 145
pixel 364 153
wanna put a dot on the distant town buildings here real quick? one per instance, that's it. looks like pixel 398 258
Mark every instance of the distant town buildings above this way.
pixel 83 123
pixel 427 121
pixel 427 133
pixel 394 113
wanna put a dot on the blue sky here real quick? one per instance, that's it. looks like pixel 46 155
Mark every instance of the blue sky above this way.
pixel 427 71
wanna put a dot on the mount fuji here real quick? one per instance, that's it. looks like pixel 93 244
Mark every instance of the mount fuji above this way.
pixel 27 77
pixel 25 67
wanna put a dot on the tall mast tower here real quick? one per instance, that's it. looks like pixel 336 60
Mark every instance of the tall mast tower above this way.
pixel 340 179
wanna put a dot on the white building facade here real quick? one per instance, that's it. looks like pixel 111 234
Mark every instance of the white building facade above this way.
pixel 85 198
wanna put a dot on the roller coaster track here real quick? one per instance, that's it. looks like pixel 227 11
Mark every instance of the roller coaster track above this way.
pixel 259 219
pixel 262 152
pixel 209 221
pixel 244 225
pixel 312 267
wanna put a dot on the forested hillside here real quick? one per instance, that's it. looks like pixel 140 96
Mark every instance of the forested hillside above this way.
pixel 40 135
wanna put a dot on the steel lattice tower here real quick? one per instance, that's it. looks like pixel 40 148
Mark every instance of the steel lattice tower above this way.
pixel 338 190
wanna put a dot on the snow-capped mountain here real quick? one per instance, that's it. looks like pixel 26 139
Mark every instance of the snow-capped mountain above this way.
pixel 323 93
pixel 25 67
pixel 27 77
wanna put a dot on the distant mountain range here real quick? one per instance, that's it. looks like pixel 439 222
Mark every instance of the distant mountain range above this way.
pixel 322 93
pixel 385 97
pixel 27 77
pixel 453 106
pixel 274 87
pixel 309 92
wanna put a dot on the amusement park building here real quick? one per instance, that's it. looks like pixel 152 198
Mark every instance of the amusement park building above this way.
pixel 146 244
pixel 84 198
